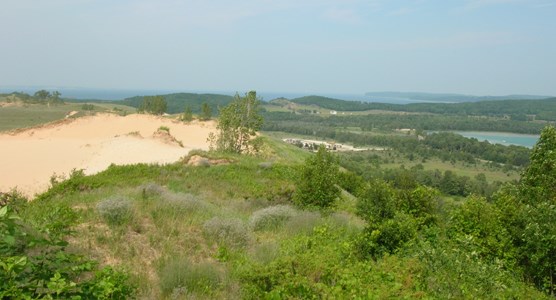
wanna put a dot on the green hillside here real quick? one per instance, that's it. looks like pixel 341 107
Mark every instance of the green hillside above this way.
pixel 16 112
pixel 228 229
pixel 177 102
pixel 436 217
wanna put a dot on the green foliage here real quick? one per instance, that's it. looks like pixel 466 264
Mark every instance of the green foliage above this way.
pixel 529 214
pixel 377 202
pixel 164 128
pixel 517 108
pixel 206 112
pixel 320 266
pixel 350 182
pixel 380 201
pixel 476 224
pixel 87 106
pixel 155 105
pixel 116 210
pixel 539 179
pixel 387 236
pixel 180 277
pixel 187 115
pixel 238 125
pixel 316 186
pixel 38 265
pixel 457 271
pixel 394 216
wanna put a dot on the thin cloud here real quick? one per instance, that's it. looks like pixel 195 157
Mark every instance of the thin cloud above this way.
pixel 342 15
pixel 402 11
pixel 477 4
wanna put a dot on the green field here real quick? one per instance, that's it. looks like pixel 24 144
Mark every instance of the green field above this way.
pixel 28 115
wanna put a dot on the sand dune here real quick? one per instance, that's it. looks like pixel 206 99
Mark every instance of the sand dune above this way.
pixel 28 158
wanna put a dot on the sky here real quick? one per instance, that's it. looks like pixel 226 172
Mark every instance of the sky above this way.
pixel 478 47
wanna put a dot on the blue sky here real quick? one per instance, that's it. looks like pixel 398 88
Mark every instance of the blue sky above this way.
pixel 481 47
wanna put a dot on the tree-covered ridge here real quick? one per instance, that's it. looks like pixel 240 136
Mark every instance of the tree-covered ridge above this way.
pixel 427 122
pixel 39 97
pixel 449 97
pixel 176 103
pixel 522 110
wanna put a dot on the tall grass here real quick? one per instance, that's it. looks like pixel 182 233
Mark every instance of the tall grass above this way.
pixel 180 278
pixel 229 232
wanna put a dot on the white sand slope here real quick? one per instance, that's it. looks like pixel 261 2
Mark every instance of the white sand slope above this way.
pixel 30 157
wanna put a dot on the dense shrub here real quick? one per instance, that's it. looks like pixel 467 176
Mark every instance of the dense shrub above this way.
pixel 271 217
pixel 116 210
pixel 228 232
pixel 387 236
pixel 316 186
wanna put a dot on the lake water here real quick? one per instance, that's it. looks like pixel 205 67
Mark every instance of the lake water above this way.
pixel 504 138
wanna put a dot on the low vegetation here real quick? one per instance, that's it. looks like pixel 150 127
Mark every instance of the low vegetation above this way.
pixel 286 223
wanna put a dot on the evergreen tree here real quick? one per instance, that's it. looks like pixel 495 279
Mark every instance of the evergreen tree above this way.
pixel 154 105
pixel 206 112
pixel 187 114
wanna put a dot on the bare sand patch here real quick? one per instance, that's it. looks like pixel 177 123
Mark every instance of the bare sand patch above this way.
pixel 29 157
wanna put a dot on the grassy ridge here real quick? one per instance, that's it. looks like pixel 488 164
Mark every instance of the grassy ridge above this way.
pixel 27 115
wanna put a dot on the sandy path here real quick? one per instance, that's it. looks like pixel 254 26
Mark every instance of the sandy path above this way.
pixel 29 158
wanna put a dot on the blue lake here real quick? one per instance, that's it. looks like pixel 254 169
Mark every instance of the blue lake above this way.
pixel 504 138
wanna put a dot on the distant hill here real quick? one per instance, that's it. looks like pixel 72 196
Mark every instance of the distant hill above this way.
pixel 439 97
pixel 543 109
pixel 342 105
pixel 177 102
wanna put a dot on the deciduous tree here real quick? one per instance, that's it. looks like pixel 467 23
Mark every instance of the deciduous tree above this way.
pixel 238 124
pixel 317 183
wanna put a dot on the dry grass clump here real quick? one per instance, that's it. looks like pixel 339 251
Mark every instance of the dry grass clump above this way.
pixel 229 232
pixel 182 279
pixel 151 189
pixel 271 217
pixel 116 210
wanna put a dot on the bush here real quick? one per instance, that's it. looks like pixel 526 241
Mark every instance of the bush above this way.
pixel 387 236
pixel 230 232
pixel 181 277
pixel 317 185
pixel 116 210
pixel 151 190
pixel 38 266
pixel 271 217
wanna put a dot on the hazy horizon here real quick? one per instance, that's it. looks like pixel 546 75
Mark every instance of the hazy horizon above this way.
pixel 471 47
